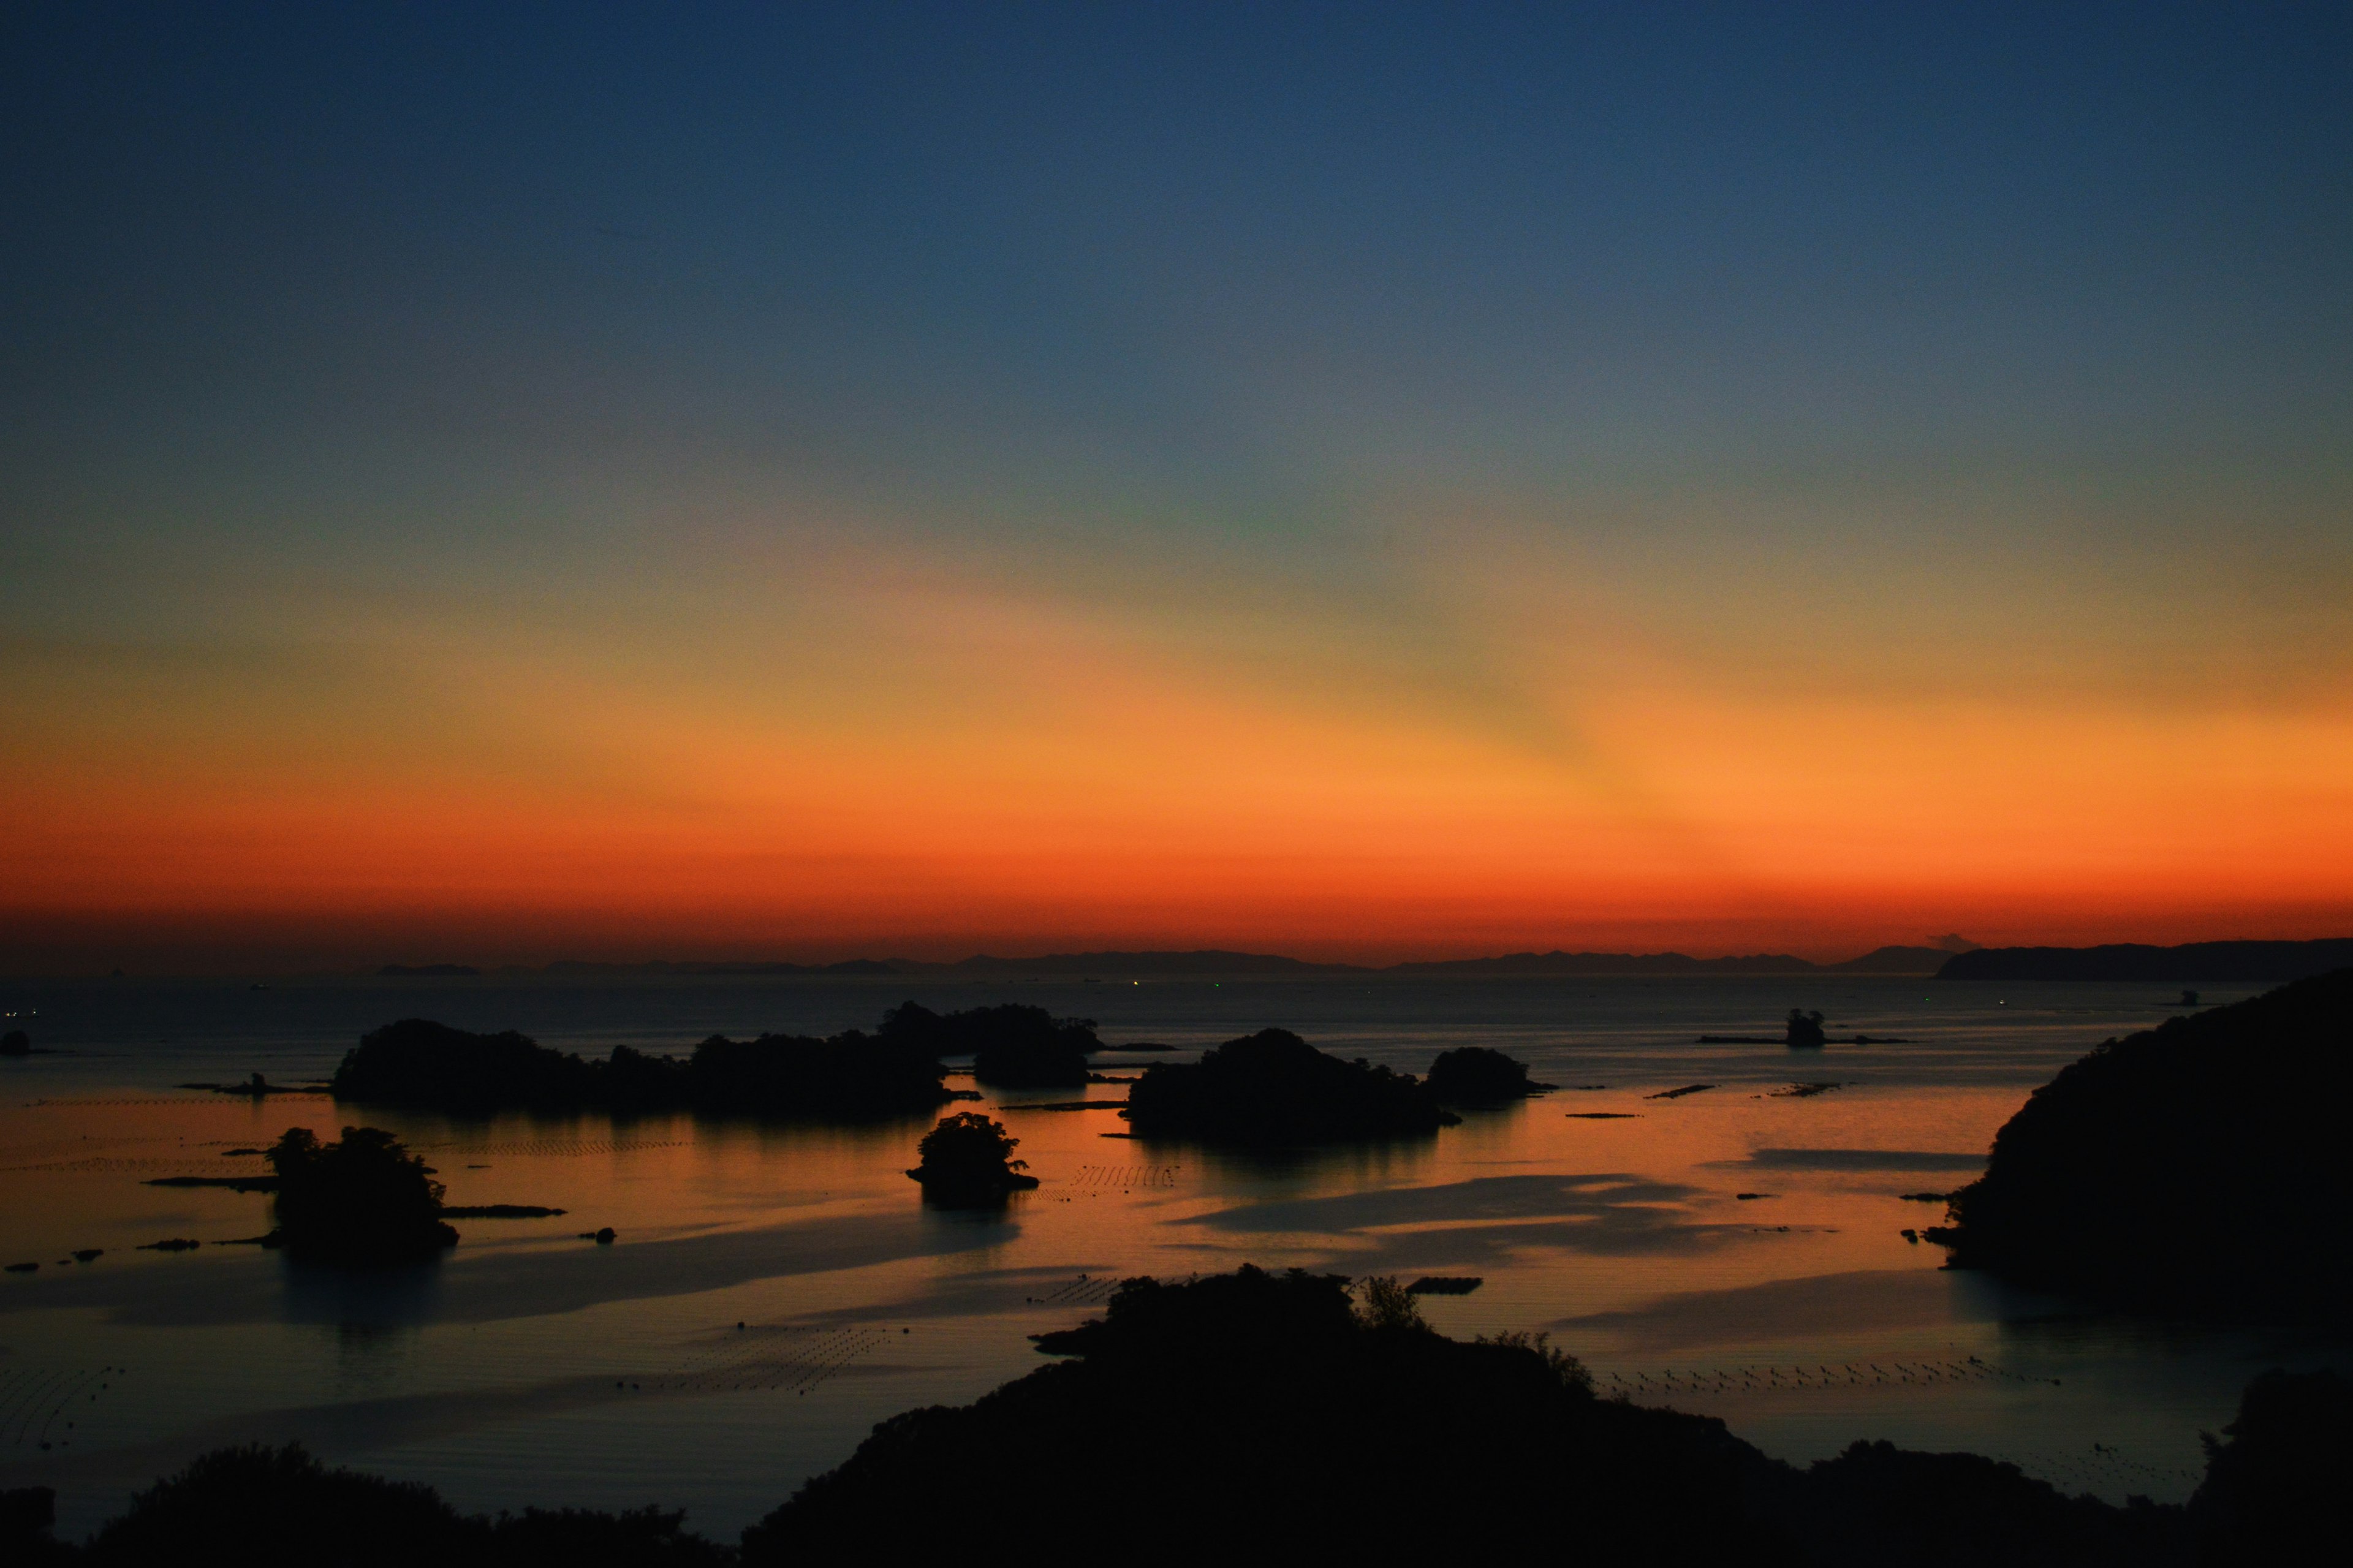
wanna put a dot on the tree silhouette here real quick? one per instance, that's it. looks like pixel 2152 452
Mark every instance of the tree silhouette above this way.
pixel 362 1199
pixel 967 1160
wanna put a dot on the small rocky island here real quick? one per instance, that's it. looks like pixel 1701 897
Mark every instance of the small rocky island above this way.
pixel 363 1199
pixel 853 1076
pixel 16 1043
pixel 1475 1074
pixel 1273 1089
pixel 966 1161
pixel 2197 1166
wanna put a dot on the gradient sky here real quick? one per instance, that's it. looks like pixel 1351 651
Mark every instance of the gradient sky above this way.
pixel 506 482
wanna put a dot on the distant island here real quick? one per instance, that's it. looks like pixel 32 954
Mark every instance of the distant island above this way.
pixel 2228 961
pixel 16 1043
pixel 1476 1075
pixel 1275 1417
pixel 1599 966
pixel 1273 1088
pixel 894 1071
pixel 2199 1166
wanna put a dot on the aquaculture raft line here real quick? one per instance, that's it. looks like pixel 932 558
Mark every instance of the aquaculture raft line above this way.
pixel 1126 1177
pixel 214 1163
pixel 766 1359
pixel 1086 1291
pixel 1778 1378
pixel 199 1097
pixel 559 1146
pixel 35 1403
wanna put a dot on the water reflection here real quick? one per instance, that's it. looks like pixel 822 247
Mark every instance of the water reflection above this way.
pixel 370 1357
pixel 361 1301
pixel 1631 1237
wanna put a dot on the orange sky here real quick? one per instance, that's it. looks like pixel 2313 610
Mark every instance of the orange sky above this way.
pixel 930 763
pixel 1005 479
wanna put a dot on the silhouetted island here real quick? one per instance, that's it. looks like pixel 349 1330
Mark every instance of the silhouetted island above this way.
pixel 254 1088
pixel 416 1062
pixel 1801 1031
pixel 1474 1074
pixel 1012 1046
pixel 363 1199
pixel 16 1043
pixel 2198 1165
pixel 965 1163
pixel 1262 1418
pixel 1273 1088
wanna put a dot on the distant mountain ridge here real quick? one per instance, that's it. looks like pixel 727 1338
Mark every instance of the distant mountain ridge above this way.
pixel 1878 961
pixel 2137 961
pixel 1920 961
pixel 2215 960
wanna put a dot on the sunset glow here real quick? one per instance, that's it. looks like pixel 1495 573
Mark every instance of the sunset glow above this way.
pixel 730 541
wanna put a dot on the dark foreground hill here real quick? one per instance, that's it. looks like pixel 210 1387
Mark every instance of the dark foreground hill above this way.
pixel 2224 961
pixel 1267 1417
pixel 2201 1165
pixel 1257 1418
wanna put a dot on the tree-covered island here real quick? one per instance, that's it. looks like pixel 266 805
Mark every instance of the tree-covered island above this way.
pixel 895 1071
pixel 363 1199
pixel 966 1161
pixel 2199 1166
pixel 1012 1046
pixel 1477 1075
pixel 1272 1089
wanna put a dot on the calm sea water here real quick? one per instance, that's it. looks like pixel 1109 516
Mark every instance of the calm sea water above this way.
pixel 775 1291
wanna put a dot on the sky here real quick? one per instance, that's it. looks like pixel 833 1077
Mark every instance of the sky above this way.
pixel 500 483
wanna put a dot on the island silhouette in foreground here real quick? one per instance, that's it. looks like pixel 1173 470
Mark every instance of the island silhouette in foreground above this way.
pixel 1273 1089
pixel 895 1071
pixel 2199 1166
pixel 1269 1419
pixel 966 1161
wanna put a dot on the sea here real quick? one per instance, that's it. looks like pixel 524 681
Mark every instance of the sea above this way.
pixel 771 1292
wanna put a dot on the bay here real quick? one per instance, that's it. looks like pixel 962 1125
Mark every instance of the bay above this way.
pixel 773 1291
